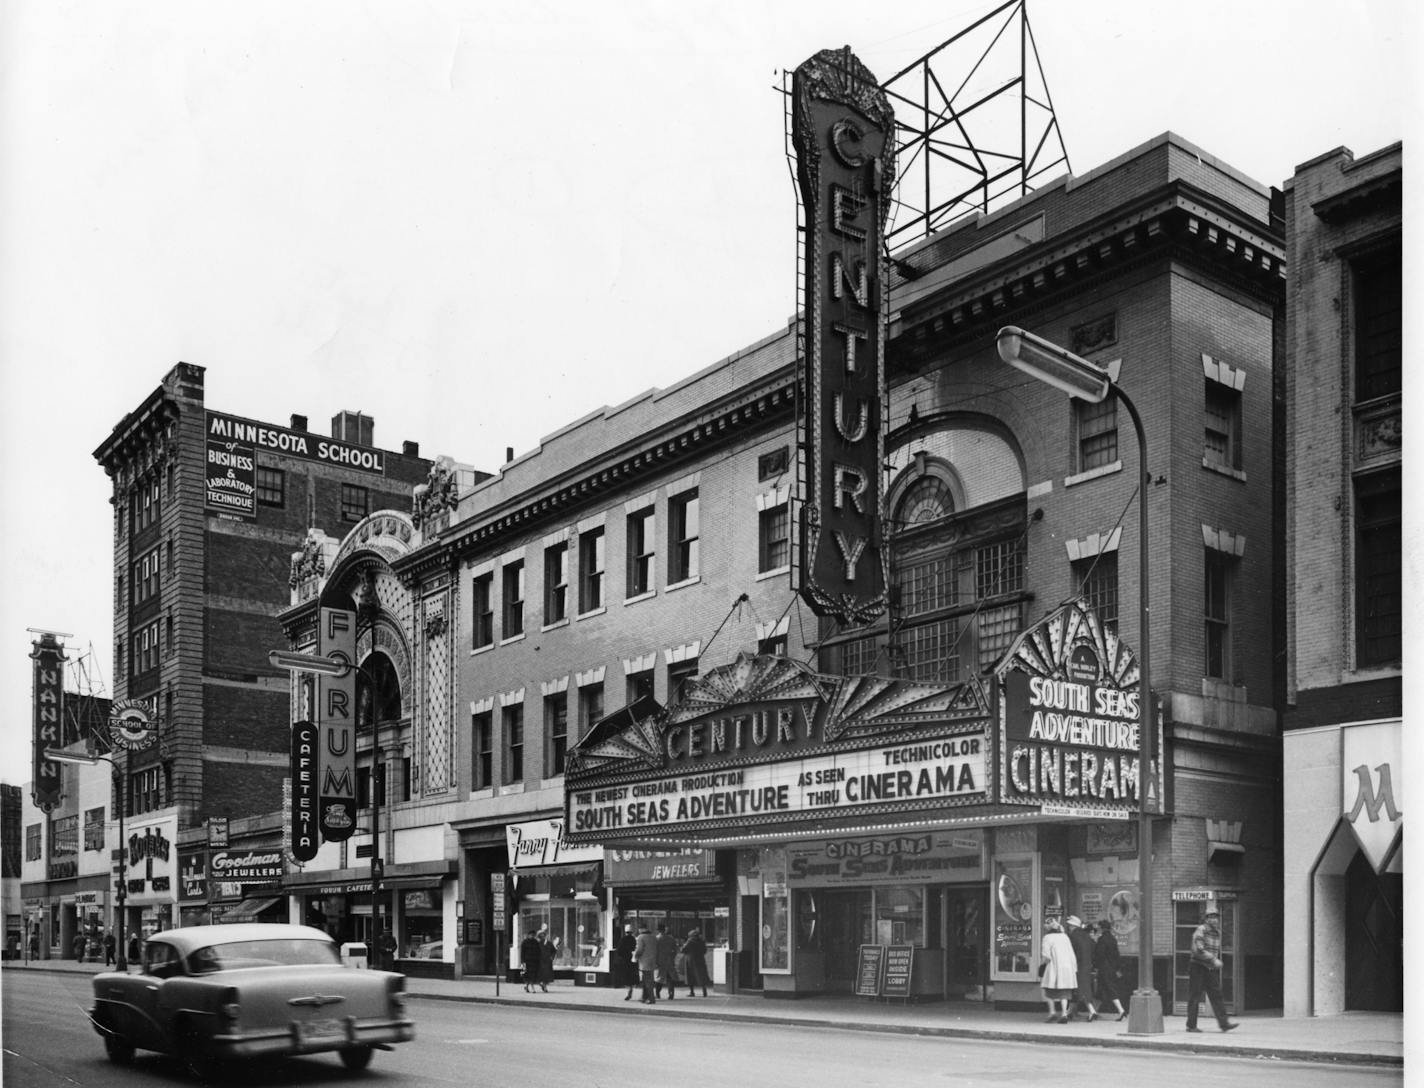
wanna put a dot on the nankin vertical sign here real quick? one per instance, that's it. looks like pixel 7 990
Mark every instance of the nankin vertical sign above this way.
pixel 336 725
pixel 48 656
pixel 845 165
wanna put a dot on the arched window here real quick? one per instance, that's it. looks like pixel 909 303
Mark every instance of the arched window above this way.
pixel 387 702
pixel 927 499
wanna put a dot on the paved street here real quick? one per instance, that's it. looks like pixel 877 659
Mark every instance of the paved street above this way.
pixel 588 1036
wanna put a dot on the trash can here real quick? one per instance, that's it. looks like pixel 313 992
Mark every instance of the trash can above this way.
pixel 353 954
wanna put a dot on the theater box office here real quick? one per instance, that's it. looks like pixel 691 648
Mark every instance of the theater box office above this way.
pixel 868 811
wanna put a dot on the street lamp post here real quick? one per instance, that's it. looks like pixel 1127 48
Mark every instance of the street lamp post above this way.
pixel 338 667
pixel 1085 380
pixel 121 960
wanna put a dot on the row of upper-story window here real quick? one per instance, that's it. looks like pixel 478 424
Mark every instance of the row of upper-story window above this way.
pixel 146 499
pixel 574 565
pixel 501 728
pixel 149 789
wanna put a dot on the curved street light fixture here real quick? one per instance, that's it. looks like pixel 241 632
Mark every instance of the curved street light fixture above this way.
pixel 121 960
pixel 1084 380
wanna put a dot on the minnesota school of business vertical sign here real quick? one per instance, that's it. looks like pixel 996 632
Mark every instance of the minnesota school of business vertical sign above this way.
pixel 845 166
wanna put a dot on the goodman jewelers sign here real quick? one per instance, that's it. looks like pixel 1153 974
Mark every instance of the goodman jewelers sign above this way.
pixel 943 769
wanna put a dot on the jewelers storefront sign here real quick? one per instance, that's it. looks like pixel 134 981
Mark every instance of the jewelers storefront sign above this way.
pixel 949 768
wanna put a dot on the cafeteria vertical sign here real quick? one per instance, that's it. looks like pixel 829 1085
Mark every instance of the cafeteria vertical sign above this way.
pixel 845 168
pixel 230 472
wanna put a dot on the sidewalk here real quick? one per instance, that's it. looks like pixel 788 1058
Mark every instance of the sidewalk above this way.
pixel 1350 1038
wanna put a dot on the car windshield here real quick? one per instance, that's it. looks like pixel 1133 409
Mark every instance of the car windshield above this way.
pixel 273 952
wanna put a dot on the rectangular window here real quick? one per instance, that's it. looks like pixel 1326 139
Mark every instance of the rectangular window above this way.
pixel 482 730
pixel 1097 433
pixel 1218 615
pixel 482 594
pixel 64 836
pixel 271 487
pixel 145 790
pixel 1378 570
pixel 683 531
pixel 1223 426
pixel 556 583
pixel 680 678
pixel 1096 580
pixel 774 539
pixel 591 570
pixel 144 506
pixel 556 733
pixel 1379 351
pixel 860 657
pixel 640 552
pixel 355 502
pixel 146 573
pixel 512 584
pixel 590 707
pixel 775 646
pixel 999 568
pixel 32 842
pixel 930 652
pixel 997 629
pixel 640 686
pixel 513 743
pixel 928 586
pixel 94 828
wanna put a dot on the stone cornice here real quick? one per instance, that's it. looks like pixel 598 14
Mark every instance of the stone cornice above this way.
pixel 620 469
pixel 1176 221
pixel 137 431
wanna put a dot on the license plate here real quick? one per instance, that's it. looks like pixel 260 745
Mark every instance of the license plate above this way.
pixel 320 1029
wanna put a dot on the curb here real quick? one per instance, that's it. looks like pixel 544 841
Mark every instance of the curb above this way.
pixel 1146 1043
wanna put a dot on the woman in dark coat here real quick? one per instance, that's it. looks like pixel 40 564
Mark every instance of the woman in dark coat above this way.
pixel 1108 963
pixel 531 952
pixel 694 949
pixel 625 971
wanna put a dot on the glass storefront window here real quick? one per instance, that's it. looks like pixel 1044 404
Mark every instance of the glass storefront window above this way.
pixel 900 915
pixel 575 927
pixel 776 930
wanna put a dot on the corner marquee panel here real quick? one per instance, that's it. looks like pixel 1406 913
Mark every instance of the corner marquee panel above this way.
pixel 845 167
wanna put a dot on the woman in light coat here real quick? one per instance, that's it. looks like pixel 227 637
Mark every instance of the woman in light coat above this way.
pixel 1058 971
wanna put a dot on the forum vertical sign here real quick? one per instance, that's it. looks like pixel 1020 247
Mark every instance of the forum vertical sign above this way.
pixel 845 166
pixel 336 727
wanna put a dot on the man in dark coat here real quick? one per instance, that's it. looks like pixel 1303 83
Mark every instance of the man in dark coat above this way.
pixel 1083 953
pixel 625 967
pixel 667 963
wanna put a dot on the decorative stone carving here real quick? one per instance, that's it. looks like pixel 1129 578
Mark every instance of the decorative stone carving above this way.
pixel 437 495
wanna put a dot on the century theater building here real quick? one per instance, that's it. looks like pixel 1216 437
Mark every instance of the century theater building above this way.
pixel 914 782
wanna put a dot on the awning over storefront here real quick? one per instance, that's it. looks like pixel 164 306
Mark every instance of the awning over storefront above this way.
pixel 557 881
pixel 249 909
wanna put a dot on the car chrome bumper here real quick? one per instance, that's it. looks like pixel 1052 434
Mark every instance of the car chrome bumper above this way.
pixel 299 1038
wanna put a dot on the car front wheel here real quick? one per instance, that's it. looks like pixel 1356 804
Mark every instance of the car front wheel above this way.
pixel 356 1058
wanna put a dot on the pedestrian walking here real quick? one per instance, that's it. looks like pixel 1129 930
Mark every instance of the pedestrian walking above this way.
pixel 694 951
pixel 667 963
pixel 1083 953
pixel 531 952
pixel 1204 972
pixel 1058 971
pixel 1107 966
pixel 547 951
pixel 108 948
pixel 645 955
pixel 625 967
pixel 133 949
pixel 79 943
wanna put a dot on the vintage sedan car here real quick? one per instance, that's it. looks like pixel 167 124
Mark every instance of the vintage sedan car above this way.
pixel 210 994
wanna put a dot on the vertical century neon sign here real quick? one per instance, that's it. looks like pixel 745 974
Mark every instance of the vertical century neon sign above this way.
pixel 845 166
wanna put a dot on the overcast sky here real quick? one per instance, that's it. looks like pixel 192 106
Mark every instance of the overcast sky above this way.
pixel 477 222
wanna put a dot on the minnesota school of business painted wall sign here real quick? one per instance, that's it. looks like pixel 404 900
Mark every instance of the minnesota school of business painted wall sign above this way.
pixel 232 447
pixel 845 166
pixel 1069 720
